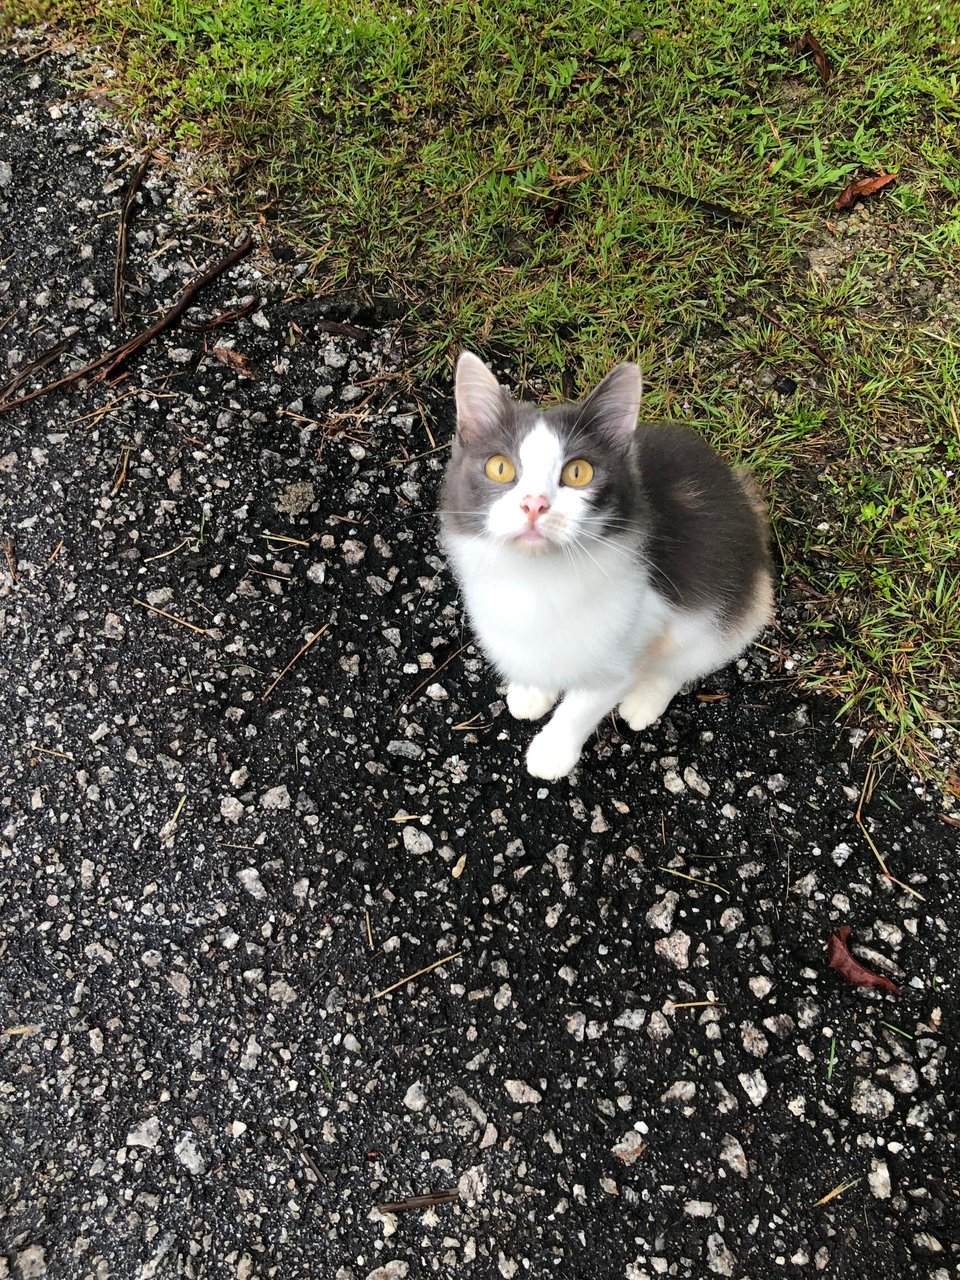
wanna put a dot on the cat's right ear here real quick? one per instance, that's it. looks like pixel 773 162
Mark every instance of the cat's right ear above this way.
pixel 612 407
pixel 479 399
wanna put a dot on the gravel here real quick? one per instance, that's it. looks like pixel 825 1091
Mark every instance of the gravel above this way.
pixel 203 888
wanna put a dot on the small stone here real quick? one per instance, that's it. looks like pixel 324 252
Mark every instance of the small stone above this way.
pixel 660 915
pixel 754 1085
pixel 658 1028
pixel 180 983
pixel 276 798
pixel 879 1179
pixel 928 1243
pixel 146 1134
pixel 841 853
pixel 519 1091
pixel 632 1019
pixel 249 877
pixel 32 1262
pixel 188 1153
pixel 231 808
pixel 777 783
pixel 675 948
pixel 472 1184
pixel 489 1138
pixel 733 1155
pixel 719 1258
pixel 630 1148
pixel 673 782
pixel 903 1077
pixel 316 573
pixel 251 1053
pixel 353 551
pixel 113 628
pixel 281 992
pixel 6 177
pixel 416 840
pixel 400 747
pixel 680 1091
pixel 754 1041
pixel 730 919
pixel 870 1101
pixel 760 987
pixel 394 1270
pixel 695 782
pixel 699 1208
pixel 415 1099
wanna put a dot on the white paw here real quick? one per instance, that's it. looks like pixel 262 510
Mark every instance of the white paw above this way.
pixel 551 755
pixel 644 706
pixel 527 703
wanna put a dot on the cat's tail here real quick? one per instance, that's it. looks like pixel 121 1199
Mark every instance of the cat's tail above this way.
pixel 757 500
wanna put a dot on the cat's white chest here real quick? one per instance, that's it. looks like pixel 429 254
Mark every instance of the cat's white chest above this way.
pixel 557 621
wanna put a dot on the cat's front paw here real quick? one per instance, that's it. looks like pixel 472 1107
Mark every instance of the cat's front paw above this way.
pixel 526 703
pixel 644 705
pixel 551 755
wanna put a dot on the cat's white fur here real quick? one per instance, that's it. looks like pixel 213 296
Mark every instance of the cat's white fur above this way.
pixel 582 620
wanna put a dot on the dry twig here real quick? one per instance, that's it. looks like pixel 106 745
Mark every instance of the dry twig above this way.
pixel 296 657
pixel 428 1201
pixel 126 212
pixel 419 974
pixel 865 796
pixel 172 617
pixel 32 367
pixel 110 361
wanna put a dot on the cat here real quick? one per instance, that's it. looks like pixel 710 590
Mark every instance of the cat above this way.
pixel 601 564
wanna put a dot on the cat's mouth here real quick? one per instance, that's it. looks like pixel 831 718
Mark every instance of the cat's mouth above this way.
pixel 532 541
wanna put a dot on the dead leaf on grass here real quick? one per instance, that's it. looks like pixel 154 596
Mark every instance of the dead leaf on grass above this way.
pixel 862 187
pixel 808 43
pixel 849 968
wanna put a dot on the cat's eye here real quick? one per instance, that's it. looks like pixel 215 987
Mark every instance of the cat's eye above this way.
pixel 500 469
pixel 577 473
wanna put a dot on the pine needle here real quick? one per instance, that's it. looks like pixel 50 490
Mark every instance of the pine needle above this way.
pixel 694 879
pixel 837 1191
pixel 419 974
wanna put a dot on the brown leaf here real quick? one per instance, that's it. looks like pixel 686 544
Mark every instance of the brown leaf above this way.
pixel 862 187
pixel 236 361
pixel 849 968
pixel 810 44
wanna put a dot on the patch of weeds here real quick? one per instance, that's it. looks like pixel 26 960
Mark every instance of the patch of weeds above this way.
pixel 550 183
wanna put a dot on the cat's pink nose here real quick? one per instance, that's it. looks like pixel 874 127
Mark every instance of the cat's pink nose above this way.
pixel 535 506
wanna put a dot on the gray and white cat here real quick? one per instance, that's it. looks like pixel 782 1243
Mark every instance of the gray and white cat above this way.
pixel 599 563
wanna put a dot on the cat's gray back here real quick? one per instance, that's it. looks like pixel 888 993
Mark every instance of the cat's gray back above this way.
pixel 706 531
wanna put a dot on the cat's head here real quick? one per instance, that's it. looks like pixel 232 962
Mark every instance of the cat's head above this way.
pixel 541 479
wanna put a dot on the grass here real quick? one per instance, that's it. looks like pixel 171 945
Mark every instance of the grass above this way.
pixel 507 169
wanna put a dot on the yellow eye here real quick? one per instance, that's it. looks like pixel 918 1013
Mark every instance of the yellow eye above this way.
pixel 577 473
pixel 500 469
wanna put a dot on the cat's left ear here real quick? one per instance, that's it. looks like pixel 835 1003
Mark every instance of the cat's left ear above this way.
pixel 612 408
pixel 480 398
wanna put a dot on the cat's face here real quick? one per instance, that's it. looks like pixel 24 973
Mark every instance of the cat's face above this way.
pixel 541 480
